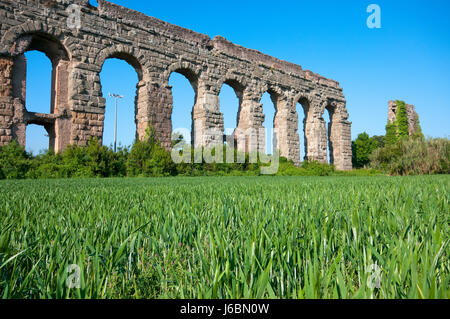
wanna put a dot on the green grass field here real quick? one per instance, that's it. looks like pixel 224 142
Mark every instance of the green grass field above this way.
pixel 235 237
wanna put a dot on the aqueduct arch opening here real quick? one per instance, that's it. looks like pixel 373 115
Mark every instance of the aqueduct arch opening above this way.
pixel 38 97
pixel 157 49
pixel 307 136
pixel 55 121
pixel 268 103
pixel 232 109
pixel 128 56
pixel 119 77
pixel 186 108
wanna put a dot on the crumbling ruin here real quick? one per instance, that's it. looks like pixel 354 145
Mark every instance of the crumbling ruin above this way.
pixel 411 114
pixel 156 49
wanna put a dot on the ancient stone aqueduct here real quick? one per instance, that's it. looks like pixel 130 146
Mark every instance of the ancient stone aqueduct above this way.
pixel 156 49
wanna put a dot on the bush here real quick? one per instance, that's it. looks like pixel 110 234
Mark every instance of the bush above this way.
pixel 308 168
pixel 148 158
pixel 318 169
pixel 221 169
pixel 14 161
pixel 414 156
pixel 94 161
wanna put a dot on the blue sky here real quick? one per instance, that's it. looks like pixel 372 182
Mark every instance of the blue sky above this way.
pixel 407 59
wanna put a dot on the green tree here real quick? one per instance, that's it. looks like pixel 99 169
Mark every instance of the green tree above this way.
pixel 362 148
pixel 380 139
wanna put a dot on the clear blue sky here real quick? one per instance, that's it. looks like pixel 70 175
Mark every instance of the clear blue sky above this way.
pixel 408 58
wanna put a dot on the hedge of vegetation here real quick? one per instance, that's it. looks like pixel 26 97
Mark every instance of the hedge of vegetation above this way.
pixel 406 156
pixel 398 154
pixel 413 157
pixel 144 159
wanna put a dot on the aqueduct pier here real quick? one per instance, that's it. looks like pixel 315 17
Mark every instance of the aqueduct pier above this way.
pixel 156 49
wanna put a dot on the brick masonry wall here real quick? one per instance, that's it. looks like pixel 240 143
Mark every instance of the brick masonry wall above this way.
pixel 156 49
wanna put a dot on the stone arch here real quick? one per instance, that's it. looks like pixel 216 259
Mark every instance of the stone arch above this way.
pixel 336 106
pixel 38 37
pixel 137 61
pixel 276 95
pixel 310 136
pixel 239 88
pixel 51 46
pixel 192 73
pixel 309 98
pixel 306 101
pixel 274 91
pixel 188 70
pixel 12 45
pixel 126 53
pixel 237 85
pixel 238 82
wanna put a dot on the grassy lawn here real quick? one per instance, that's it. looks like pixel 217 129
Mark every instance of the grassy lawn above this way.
pixel 226 237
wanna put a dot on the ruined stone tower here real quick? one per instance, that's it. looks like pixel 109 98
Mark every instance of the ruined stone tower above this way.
pixel 412 116
pixel 79 45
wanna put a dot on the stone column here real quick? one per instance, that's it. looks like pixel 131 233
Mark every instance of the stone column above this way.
pixel 250 134
pixel 6 101
pixel 143 108
pixel 315 131
pixel 12 99
pixel 207 120
pixel 19 94
pixel 154 104
pixel 87 105
pixel 60 135
pixel 340 138
pixel 286 130
pixel 315 138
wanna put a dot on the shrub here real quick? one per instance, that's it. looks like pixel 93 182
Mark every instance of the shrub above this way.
pixel 149 158
pixel 307 168
pixel 14 161
pixel 318 169
pixel 93 161
pixel 414 157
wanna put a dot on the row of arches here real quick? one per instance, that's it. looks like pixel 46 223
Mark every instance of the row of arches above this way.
pixel 118 75
pixel 46 86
